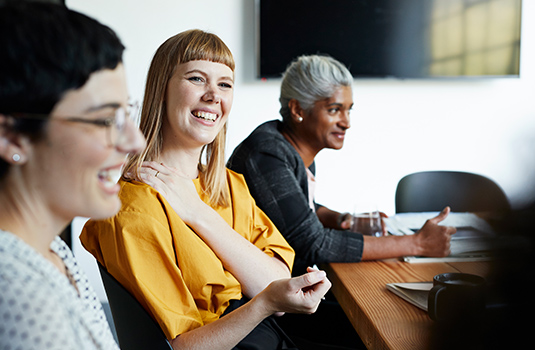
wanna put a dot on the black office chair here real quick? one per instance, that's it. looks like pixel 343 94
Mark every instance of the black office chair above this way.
pixel 463 192
pixel 136 330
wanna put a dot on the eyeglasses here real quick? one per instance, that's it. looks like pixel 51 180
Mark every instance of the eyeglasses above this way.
pixel 115 124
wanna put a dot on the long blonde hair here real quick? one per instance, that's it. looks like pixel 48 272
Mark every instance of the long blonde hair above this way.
pixel 184 47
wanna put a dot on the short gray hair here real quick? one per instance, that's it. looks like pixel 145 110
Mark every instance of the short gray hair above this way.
pixel 309 79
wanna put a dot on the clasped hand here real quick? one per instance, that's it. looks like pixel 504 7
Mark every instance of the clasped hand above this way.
pixel 176 188
pixel 301 294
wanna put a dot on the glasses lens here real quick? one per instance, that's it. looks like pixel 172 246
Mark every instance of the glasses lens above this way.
pixel 117 132
pixel 132 112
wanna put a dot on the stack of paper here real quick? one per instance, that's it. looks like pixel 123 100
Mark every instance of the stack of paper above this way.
pixel 472 242
pixel 415 293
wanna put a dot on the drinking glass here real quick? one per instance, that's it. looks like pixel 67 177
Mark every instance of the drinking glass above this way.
pixel 367 221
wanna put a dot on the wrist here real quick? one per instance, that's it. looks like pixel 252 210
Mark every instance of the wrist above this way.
pixel 414 245
pixel 261 305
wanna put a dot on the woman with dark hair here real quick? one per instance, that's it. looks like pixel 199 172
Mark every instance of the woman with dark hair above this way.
pixel 189 241
pixel 64 134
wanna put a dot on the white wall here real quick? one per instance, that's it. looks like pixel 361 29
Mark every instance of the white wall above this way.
pixel 398 126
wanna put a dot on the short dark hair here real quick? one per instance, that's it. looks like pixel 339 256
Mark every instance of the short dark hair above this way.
pixel 47 50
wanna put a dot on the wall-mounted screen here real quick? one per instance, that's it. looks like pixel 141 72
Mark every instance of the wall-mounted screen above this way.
pixel 393 38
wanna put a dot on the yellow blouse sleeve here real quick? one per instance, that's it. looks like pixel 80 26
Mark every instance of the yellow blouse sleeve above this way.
pixel 256 226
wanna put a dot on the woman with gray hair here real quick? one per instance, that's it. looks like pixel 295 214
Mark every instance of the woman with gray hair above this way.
pixel 277 160
pixel 310 79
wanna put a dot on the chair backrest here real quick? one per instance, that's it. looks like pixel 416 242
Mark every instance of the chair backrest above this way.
pixel 463 192
pixel 136 330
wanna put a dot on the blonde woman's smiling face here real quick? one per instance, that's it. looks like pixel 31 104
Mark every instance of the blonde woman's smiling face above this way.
pixel 198 101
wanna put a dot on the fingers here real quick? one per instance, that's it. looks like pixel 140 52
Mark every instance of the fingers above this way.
pixel 443 214
pixel 150 171
pixel 312 268
pixel 154 174
pixel 346 223
pixel 308 279
pixel 446 246
pixel 315 268
pixel 313 282
pixel 300 294
pixel 318 282
pixel 149 175
pixel 312 288
pixel 155 167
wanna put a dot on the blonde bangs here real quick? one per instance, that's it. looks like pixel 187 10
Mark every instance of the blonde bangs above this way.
pixel 205 46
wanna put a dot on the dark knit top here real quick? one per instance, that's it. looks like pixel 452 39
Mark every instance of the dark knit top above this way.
pixel 277 180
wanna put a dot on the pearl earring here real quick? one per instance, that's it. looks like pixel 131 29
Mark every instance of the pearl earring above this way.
pixel 16 157
pixel 300 119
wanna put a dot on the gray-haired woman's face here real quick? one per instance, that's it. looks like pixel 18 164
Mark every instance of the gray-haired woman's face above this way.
pixel 326 123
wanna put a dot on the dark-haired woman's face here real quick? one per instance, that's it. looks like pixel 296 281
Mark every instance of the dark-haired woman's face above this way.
pixel 325 125
pixel 74 168
pixel 198 100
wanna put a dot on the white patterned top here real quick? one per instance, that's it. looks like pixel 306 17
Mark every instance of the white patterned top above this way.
pixel 40 308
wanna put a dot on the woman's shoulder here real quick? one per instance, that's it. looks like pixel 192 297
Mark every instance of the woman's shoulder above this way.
pixel 266 139
pixel 139 200
pixel 134 193
pixel 142 207
pixel 235 179
pixel 266 135
pixel 237 184
pixel 23 269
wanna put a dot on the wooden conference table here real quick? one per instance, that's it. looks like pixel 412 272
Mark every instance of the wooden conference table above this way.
pixel 382 319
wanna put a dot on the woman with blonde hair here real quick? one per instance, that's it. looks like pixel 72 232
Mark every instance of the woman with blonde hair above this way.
pixel 184 47
pixel 189 241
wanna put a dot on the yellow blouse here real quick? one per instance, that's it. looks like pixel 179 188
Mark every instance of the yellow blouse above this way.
pixel 165 265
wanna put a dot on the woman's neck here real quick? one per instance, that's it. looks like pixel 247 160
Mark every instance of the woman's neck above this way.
pixel 185 161
pixel 32 221
pixel 306 152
